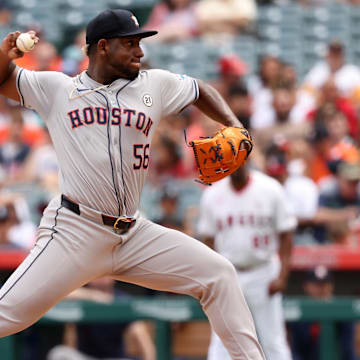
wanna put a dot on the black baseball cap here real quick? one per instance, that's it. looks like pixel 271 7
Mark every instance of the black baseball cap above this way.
pixel 320 275
pixel 114 23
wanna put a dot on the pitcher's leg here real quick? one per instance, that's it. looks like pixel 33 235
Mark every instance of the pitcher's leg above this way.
pixel 55 267
pixel 217 350
pixel 37 284
pixel 169 260
pixel 269 315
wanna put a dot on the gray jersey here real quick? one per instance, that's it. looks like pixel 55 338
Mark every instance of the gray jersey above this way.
pixel 102 134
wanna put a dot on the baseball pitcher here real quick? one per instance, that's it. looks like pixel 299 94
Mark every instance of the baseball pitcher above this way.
pixel 101 123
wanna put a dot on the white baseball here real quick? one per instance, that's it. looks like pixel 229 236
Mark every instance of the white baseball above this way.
pixel 25 42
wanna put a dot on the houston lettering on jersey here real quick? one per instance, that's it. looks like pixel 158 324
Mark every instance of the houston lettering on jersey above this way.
pixel 99 115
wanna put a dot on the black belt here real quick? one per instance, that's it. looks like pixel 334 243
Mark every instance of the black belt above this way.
pixel 121 225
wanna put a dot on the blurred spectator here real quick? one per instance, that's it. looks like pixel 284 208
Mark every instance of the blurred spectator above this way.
pixel 283 103
pixel 303 105
pixel 16 229
pixel 166 159
pixel 330 143
pixel 173 126
pixel 260 88
pixel 5 114
pixel 169 205
pixel 170 202
pixel 288 77
pixel 32 128
pixel 217 17
pixel 41 167
pixel 43 58
pixel 102 340
pixel 232 70
pixel 5 13
pixel 274 75
pixel 240 103
pixel 319 285
pixel 339 203
pixel 74 59
pixel 167 193
pixel 14 152
pixel 268 77
pixel 346 76
pixel 301 191
pixel 329 94
pixel 174 19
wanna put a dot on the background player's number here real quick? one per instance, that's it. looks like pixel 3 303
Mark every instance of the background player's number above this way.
pixel 261 241
pixel 141 154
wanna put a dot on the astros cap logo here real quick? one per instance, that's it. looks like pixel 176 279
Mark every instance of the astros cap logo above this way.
pixel 135 20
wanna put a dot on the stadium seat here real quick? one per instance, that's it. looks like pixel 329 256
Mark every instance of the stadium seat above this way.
pixel 131 3
pixel 269 14
pixel 299 35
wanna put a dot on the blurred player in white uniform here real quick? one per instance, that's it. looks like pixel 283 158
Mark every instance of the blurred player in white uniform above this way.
pixel 246 218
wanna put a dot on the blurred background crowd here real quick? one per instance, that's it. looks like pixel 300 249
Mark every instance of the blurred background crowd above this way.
pixel 290 71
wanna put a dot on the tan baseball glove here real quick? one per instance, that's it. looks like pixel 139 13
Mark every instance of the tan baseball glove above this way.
pixel 220 155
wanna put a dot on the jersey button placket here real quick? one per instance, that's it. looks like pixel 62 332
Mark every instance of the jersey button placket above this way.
pixel 114 134
pixel 112 98
pixel 116 141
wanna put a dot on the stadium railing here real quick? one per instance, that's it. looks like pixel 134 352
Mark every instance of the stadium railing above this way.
pixel 183 309
pixel 304 257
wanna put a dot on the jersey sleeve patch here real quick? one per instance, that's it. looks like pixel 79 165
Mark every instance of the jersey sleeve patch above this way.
pixel 181 77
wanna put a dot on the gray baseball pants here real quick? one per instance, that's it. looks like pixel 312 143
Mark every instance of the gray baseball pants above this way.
pixel 72 250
